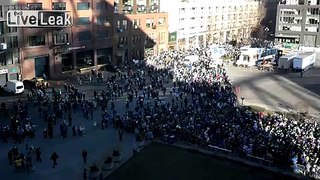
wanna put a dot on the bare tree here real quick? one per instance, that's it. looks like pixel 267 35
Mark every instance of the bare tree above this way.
pixel 258 30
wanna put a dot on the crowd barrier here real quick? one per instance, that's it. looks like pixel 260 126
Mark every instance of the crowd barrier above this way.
pixel 216 148
pixel 259 160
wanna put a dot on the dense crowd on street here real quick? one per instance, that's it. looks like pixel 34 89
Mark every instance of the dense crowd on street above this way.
pixel 200 107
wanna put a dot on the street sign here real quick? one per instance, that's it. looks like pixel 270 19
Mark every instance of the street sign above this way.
pixel 4 71
pixel 76 47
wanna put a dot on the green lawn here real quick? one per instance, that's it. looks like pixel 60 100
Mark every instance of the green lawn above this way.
pixel 164 162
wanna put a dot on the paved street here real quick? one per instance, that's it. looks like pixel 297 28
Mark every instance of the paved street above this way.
pixel 284 92
pixel 266 89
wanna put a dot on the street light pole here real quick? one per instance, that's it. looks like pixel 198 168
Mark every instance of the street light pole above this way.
pixel 242 98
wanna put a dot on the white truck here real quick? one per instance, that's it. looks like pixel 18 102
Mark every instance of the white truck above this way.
pixel 14 87
pixel 286 62
pixel 248 57
pixel 304 61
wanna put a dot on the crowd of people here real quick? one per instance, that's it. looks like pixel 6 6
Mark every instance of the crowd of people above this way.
pixel 205 111
pixel 201 108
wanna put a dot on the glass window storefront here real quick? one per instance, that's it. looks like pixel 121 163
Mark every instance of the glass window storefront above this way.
pixel 104 56
pixel 85 59
pixel 67 62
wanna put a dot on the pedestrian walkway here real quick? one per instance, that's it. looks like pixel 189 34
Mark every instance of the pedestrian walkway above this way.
pixel 98 143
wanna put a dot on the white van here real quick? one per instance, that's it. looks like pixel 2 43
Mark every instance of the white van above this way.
pixel 14 87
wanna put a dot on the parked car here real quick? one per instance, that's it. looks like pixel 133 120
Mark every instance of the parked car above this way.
pixel 14 87
pixel 36 82
pixel 109 68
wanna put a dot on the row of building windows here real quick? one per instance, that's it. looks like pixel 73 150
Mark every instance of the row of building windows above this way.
pixel 4 29
pixel 222 17
pixel 127 6
pixel 136 23
pixel 298 20
pixel 11 41
pixel 62 38
pixel 137 38
pixel 55 6
pixel 9 58
pixel 222 9
pixel 300 2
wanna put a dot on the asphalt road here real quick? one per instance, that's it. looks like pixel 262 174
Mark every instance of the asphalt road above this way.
pixel 279 92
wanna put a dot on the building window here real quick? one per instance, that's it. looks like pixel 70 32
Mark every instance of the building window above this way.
pixel 1 11
pixel 102 34
pixel 127 6
pixel 149 23
pixel 60 38
pixel 116 6
pixel 125 24
pixel 154 7
pixel 2 28
pixel 102 5
pixel 12 29
pixel 301 2
pixel 118 24
pixel 12 42
pixel 136 23
pixel 83 21
pixel 161 21
pixel 9 58
pixel 104 56
pixel 122 40
pixel 141 6
pixel 34 6
pixel 16 58
pixel 37 40
pixel 59 6
pixel 83 6
pixel 2 59
pixel 136 39
pixel 101 20
pixel 84 36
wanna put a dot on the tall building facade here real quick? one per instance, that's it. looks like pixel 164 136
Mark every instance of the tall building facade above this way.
pixel 198 22
pixel 139 29
pixel 298 22
pixel 10 67
pixel 103 32
pixel 54 51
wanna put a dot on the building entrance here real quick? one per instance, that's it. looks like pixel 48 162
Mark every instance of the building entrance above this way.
pixel 41 66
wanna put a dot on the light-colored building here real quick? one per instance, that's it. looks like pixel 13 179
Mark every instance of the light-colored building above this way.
pixel 196 22
pixel 10 68
pixel 298 22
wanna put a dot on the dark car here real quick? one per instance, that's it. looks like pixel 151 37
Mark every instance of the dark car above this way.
pixel 109 68
pixel 35 82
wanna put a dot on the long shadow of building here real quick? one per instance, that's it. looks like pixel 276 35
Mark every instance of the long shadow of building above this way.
pixel 103 32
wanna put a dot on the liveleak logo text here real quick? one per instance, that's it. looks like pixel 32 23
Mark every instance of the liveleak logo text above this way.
pixel 26 18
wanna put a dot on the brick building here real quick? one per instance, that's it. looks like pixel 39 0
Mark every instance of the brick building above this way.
pixel 103 32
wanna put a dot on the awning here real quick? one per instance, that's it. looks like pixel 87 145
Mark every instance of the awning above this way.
pixel 287 36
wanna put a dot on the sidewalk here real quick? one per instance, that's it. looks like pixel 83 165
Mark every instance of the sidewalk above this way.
pixel 98 143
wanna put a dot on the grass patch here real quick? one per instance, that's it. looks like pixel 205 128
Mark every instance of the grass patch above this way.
pixel 164 162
